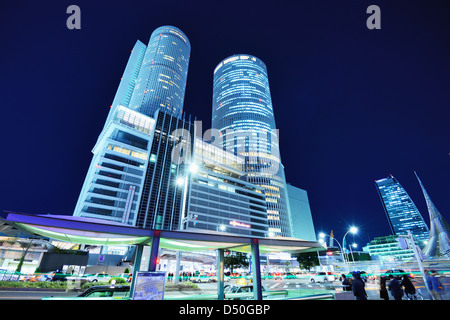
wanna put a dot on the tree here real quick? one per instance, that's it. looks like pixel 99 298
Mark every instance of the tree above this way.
pixel 233 259
pixel 307 260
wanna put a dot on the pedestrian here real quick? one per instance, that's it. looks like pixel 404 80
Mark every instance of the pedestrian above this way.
pixel 410 290
pixel 383 290
pixel 435 286
pixel 346 283
pixel 358 287
pixel 395 288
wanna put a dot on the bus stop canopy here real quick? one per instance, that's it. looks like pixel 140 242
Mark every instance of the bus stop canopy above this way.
pixel 102 232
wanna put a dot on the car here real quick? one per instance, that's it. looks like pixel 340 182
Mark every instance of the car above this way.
pixel 106 292
pixel 322 277
pixel 240 289
pixel 201 279
pixel 397 273
pixel 225 278
pixel 290 276
pixel 60 277
pixel 99 277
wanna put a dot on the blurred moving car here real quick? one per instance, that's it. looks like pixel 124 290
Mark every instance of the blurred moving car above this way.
pixel 322 277
pixel 398 273
pixel 198 279
pixel 99 277
pixel 106 292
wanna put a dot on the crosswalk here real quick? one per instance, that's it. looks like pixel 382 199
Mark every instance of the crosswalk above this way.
pixel 288 285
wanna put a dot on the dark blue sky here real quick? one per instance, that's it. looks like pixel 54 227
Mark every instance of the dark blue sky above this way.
pixel 352 105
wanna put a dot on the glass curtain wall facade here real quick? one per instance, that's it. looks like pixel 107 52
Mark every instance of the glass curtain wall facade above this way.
pixel 219 199
pixel 156 75
pixel 401 211
pixel 162 198
pixel 242 111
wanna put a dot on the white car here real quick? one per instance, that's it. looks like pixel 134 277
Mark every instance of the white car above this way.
pixel 99 277
pixel 322 277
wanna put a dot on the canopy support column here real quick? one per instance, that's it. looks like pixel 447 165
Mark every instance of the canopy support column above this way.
pixel 256 268
pixel 220 277
pixel 154 249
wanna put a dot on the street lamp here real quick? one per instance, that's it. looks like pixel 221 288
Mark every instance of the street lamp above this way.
pixel 321 240
pixel 354 245
pixel 352 230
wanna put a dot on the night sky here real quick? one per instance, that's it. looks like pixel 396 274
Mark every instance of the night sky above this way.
pixel 352 105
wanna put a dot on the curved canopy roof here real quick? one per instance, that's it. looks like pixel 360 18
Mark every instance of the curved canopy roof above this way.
pixel 102 232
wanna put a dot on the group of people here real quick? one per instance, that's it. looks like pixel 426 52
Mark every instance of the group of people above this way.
pixel 183 276
pixel 397 288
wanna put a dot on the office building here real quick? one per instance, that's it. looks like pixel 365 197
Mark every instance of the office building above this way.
pixel 150 94
pixel 300 212
pixel 220 198
pixel 242 111
pixel 401 212
pixel 388 248
pixel 113 184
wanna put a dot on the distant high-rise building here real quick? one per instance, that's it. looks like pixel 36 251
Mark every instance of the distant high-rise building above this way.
pixel 242 111
pixel 438 244
pixel 401 211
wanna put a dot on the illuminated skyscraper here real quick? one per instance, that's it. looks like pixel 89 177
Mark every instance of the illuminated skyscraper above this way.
pixel 242 112
pixel 123 179
pixel 401 211
pixel 155 76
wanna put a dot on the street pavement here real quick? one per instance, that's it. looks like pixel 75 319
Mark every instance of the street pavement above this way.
pixel 293 285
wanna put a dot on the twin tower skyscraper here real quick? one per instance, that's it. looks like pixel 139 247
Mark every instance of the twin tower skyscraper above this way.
pixel 132 178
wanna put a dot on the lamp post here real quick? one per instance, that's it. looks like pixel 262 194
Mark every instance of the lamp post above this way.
pixel 183 181
pixel 352 230
pixel 354 245
pixel 323 235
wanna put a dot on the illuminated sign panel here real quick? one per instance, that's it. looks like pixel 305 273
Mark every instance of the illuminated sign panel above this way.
pixel 239 224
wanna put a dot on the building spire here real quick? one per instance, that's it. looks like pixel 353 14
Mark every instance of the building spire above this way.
pixel 439 240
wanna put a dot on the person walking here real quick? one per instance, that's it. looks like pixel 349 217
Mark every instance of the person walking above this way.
pixel 410 290
pixel 395 288
pixel 346 283
pixel 358 287
pixel 383 289
pixel 434 285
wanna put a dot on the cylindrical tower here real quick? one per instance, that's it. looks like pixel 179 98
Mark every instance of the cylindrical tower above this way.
pixel 161 80
pixel 242 112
